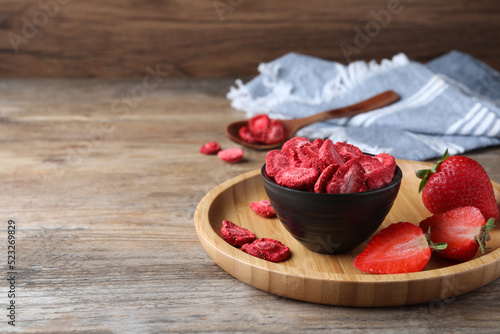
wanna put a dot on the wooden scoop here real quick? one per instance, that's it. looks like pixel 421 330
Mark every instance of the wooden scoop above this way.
pixel 294 125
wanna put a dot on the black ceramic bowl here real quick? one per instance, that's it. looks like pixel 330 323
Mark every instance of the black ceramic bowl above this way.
pixel 331 223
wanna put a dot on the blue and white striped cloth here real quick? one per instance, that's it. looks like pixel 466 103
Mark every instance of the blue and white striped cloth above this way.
pixel 451 103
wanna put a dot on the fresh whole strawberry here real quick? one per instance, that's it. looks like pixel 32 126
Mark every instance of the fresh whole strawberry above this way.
pixel 457 181
pixel 398 248
pixel 463 229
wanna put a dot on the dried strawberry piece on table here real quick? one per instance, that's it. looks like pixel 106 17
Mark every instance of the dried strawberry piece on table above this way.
pixel 211 147
pixel 267 249
pixel 236 235
pixel 263 208
pixel 349 178
pixel 231 155
pixel 297 178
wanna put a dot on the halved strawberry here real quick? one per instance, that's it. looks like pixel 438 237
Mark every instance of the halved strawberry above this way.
pixel 457 181
pixel 399 248
pixel 463 229
pixel 263 208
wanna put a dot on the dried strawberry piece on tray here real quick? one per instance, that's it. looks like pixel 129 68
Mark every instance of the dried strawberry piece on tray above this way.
pixel 236 235
pixel 267 249
pixel 263 208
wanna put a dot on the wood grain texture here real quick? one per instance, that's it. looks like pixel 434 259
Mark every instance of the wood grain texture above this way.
pixel 104 199
pixel 215 38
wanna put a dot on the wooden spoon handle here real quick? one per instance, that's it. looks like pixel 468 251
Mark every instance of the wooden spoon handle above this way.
pixel 378 101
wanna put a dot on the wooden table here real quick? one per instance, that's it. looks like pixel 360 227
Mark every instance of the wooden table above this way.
pixel 102 179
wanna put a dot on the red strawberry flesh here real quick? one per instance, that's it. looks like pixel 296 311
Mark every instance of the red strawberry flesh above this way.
pixel 398 248
pixel 460 228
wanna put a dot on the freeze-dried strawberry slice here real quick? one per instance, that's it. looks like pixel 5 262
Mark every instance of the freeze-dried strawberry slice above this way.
pixel 292 146
pixel 236 235
pixel 297 177
pixel 210 148
pixel 263 208
pixel 349 178
pixel 390 163
pixel 276 133
pixel 246 135
pixel 231 155
pixel 324 178
pixel 329 154
pixel 309 158
pixel 275 162
pixel 267 249
pixel 259 125
pixel 375 172
pixel 347 151
pixel 318 142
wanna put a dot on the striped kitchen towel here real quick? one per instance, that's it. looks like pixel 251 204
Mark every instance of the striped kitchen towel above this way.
pixel 451 102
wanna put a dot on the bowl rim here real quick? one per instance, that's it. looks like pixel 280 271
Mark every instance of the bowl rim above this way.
pixel 396 180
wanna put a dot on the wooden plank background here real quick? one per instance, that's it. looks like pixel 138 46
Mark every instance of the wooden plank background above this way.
pixel 215 38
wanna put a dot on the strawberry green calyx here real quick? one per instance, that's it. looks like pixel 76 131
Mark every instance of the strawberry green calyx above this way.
pixel 424 174
pixel 439 246
pixel 484 235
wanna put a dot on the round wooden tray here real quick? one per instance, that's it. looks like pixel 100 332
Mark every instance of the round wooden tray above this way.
pixel 332 279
